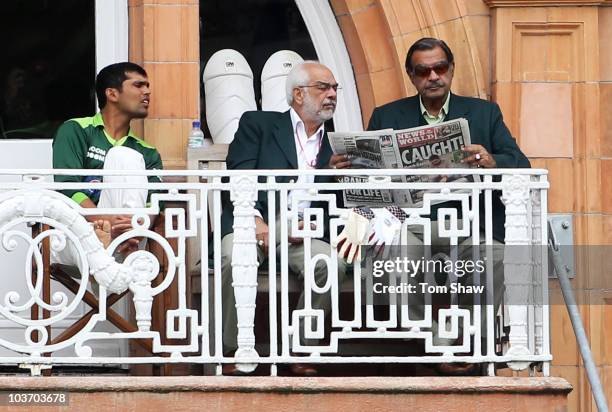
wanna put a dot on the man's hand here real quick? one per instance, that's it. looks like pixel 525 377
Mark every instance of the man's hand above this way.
pixel 339 162
pixel 478 156
pixel 261 233
pixel 103 231
pixel 298 240
pixel 119 225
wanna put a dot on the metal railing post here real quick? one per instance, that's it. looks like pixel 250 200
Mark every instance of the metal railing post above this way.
pixel 517 265
pixel 244 266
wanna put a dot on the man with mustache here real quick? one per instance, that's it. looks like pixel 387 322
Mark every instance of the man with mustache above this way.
pixel 106 141
pixel 430 66
pixel 295 139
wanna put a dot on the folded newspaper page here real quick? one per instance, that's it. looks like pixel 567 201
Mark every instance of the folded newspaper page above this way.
pixel 434 146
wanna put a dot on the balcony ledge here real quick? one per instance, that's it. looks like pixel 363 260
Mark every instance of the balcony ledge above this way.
pixel 197 393
pixel 417 385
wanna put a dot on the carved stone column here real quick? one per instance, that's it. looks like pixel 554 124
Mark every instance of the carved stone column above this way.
pixel 537 249
pixel 244 266
pixel 517 263
pixel 145 268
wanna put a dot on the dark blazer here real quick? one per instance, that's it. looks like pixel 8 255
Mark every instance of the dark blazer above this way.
pixel 265 140
pixel 487 128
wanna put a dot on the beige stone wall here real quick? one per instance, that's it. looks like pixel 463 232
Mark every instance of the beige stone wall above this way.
pixel 164 38
pixel 549 76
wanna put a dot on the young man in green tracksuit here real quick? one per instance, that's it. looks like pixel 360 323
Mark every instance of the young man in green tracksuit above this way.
pixel 105 141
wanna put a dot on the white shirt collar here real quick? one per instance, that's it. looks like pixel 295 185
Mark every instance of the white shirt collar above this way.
pixel 298 126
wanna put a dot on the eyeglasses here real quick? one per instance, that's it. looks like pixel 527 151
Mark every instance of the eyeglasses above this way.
pixel 324 86
pixel 424 71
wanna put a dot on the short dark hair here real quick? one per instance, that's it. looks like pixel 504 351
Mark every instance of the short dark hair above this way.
pixel 113 76
pixel 428 43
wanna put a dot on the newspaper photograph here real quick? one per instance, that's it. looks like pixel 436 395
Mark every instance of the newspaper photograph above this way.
pixel 366 150
pixel 437 146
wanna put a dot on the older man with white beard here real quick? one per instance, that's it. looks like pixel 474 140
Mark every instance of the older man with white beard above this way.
pixel 295 139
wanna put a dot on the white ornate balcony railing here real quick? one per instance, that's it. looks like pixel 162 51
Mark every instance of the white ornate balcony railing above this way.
pixel 515 334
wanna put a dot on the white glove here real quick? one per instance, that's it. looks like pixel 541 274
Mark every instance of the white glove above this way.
pixel 385 229
pixel 354 235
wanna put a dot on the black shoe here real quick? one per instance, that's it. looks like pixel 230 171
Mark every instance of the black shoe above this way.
pixel 302 369
pixel 230 369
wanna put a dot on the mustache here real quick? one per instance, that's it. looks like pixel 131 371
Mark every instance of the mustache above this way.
pixel 435 84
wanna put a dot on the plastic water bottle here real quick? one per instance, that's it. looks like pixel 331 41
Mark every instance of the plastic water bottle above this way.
pixel 196 136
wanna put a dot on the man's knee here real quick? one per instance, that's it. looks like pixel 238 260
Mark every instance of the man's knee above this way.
pixel 124 158
pixel 227 244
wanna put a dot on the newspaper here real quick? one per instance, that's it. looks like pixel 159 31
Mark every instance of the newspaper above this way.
pixel 435 146
pixel 367 150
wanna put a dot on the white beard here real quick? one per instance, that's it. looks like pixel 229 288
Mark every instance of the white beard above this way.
pixel 312 111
